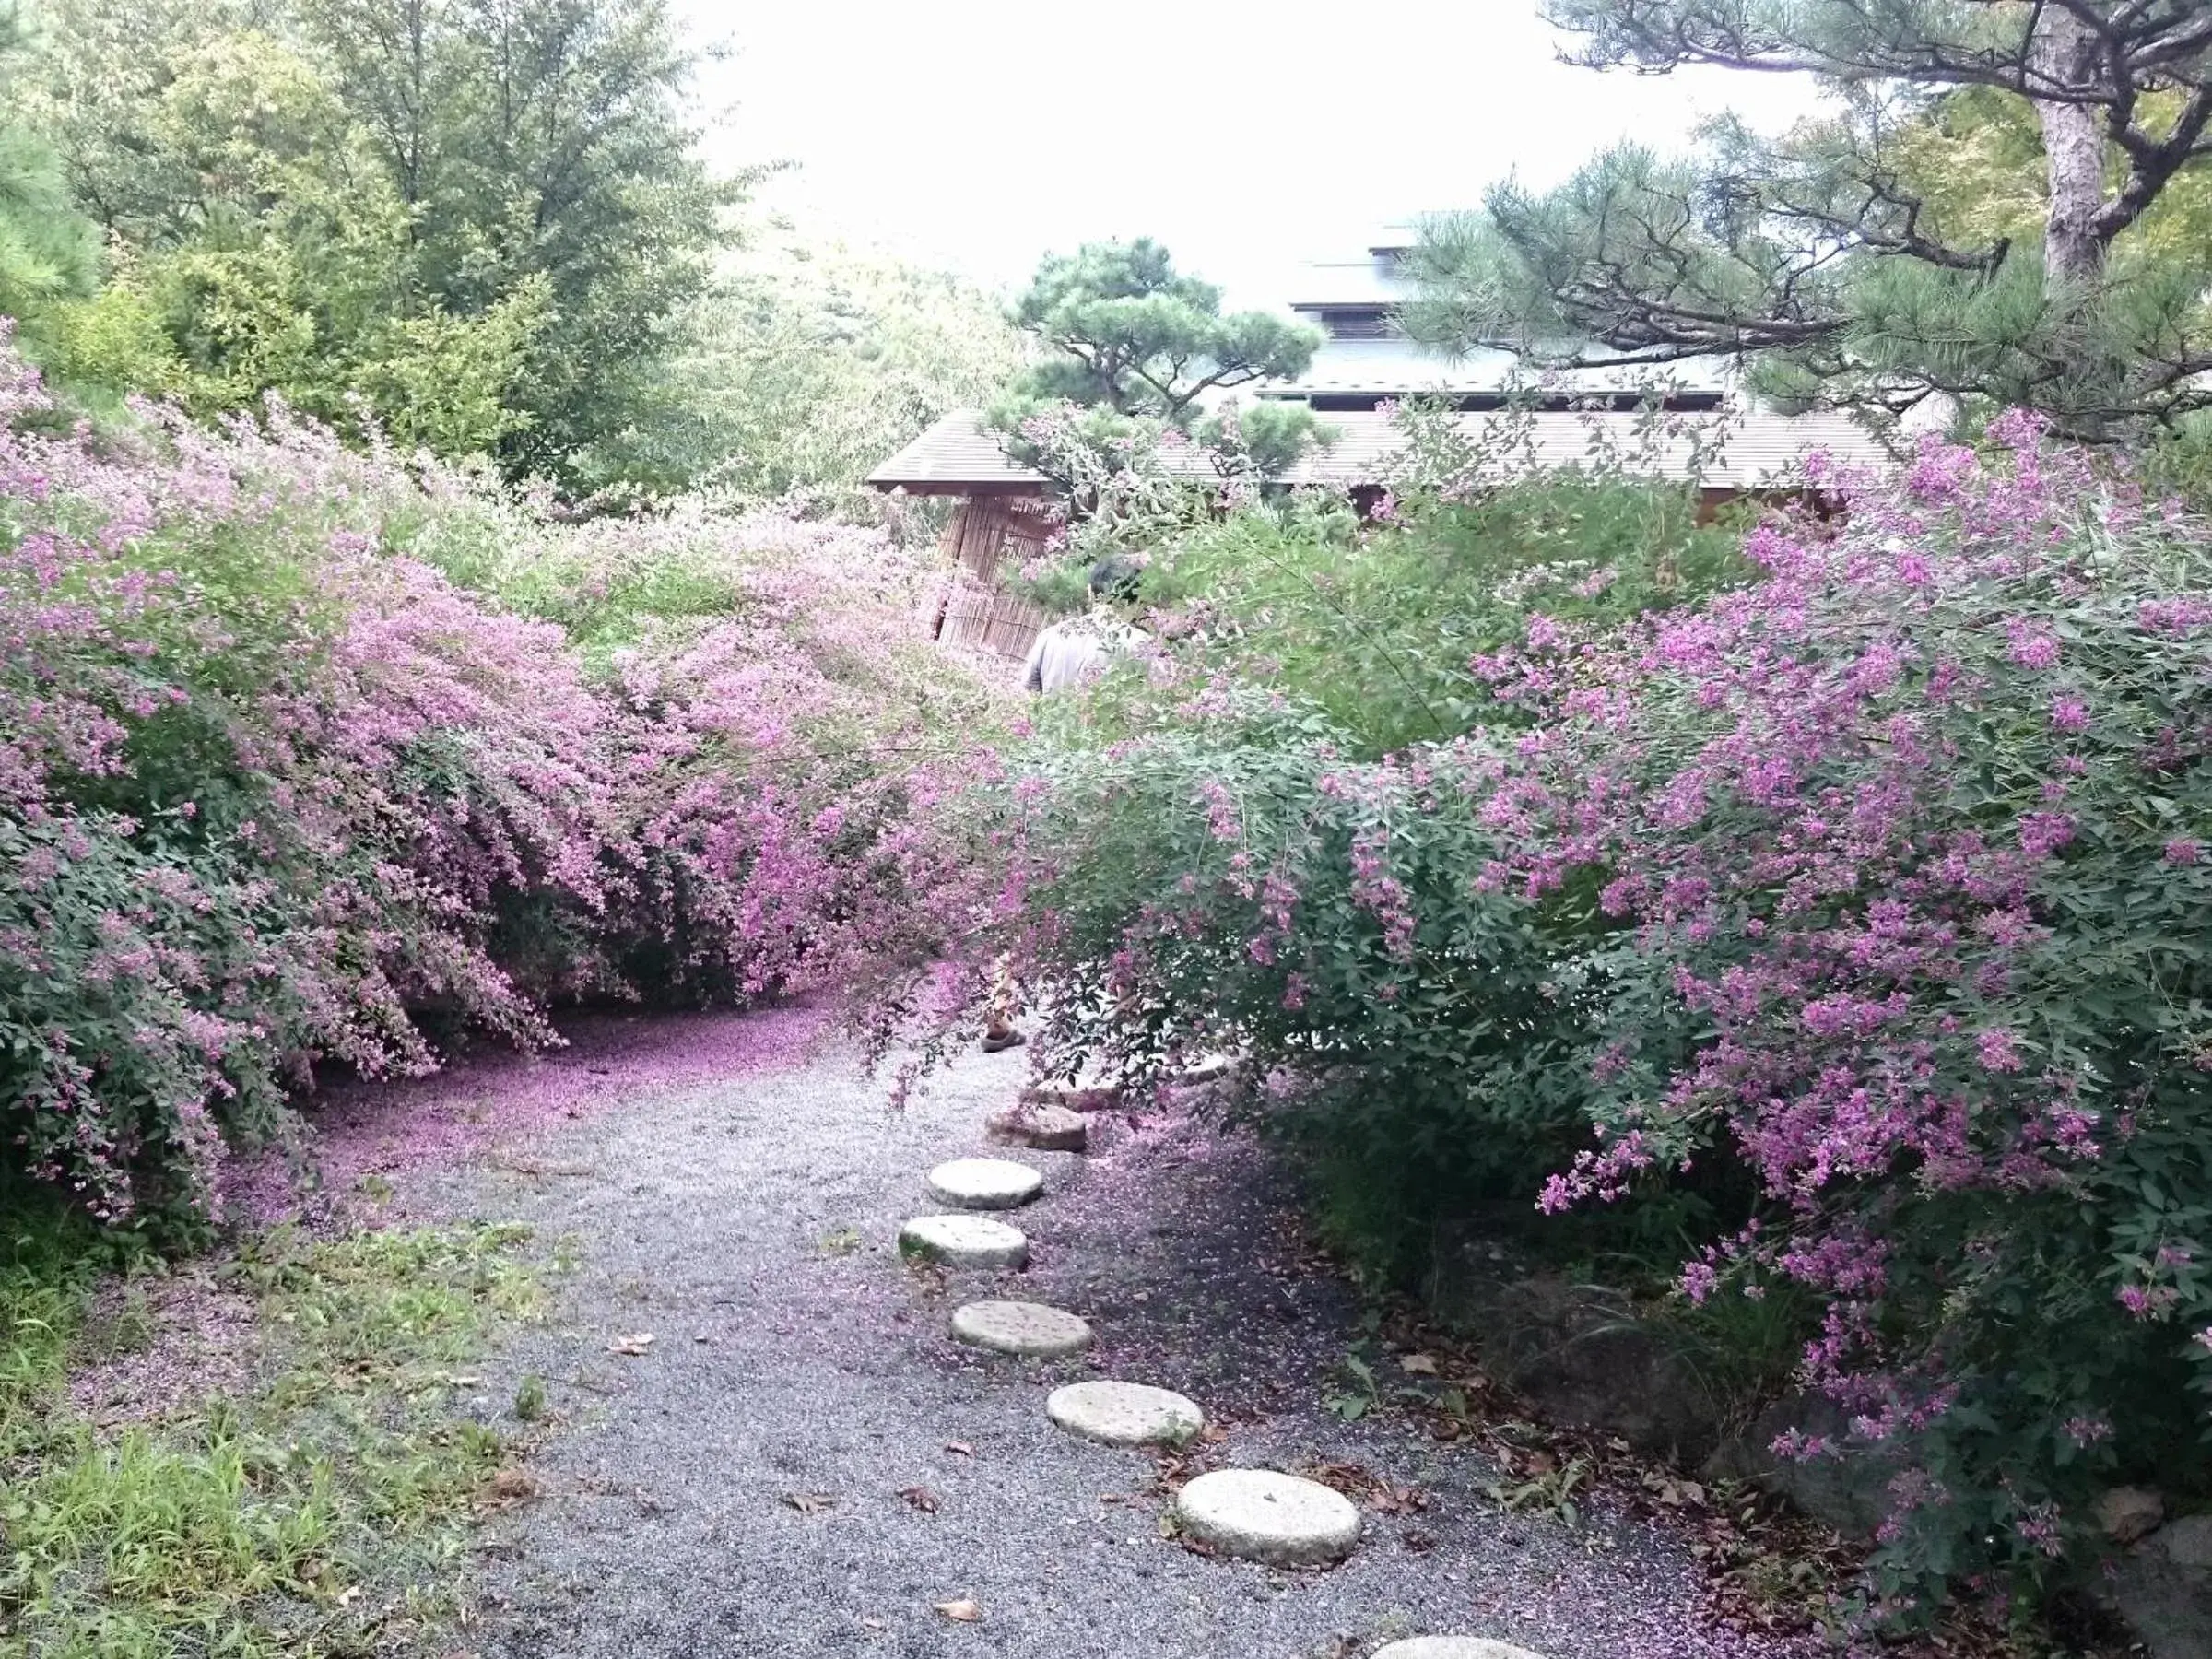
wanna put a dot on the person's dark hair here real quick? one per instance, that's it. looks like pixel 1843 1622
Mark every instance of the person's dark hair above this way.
pixel 1115 578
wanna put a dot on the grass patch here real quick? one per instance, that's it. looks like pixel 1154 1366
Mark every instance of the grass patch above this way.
pixel 320 1512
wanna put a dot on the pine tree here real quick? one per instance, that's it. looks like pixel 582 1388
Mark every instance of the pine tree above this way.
pixel 1824 257
pixel 48 250
pixel 1121 330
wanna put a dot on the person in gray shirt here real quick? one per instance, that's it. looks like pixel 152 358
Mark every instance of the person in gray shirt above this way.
pixel 1075 651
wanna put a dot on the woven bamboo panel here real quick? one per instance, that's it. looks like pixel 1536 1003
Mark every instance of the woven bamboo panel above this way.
pixel 987 533
pixel 987 539
pixel 979 618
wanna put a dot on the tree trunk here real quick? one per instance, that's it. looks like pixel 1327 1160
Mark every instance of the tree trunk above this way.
pixel 2065 54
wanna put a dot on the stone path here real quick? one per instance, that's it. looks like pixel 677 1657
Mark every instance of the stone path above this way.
pixel 805 1461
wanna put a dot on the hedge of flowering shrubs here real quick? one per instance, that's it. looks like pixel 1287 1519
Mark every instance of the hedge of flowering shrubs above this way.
pixel 1855 917
pixel 276 790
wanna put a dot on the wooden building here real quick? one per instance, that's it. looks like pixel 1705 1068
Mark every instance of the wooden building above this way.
pixel 1004 512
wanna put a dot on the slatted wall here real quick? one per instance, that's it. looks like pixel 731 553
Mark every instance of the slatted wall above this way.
pixel 987 537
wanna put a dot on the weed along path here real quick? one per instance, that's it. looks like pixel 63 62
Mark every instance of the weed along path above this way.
pixel 759 1434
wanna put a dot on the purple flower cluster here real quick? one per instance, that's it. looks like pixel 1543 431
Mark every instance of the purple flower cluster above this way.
pixel 1897 826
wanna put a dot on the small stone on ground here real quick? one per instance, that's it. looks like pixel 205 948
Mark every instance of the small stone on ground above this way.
pixel 1045 1128
pixel 1125 1414
pixel 984 1184
pixel 1084 1094
pixel 964 1242
pixel 1207 1068
pixel 1262 1516
pixel 1029 1329
pixel 1453 1647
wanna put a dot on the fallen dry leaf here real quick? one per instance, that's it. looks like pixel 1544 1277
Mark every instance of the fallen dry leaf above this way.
pixel 810 1504
pixel 921 1498
pixel 1388 1499
pixel 1419 1365
pixel 633 1344
pixel 504 1490
pixel 962 1611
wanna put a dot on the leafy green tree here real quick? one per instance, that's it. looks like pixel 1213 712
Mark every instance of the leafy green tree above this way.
pixel 480 217
pixel 1976 163
pixel 543 139
pixel 1833 257
pixel 806 363
pixel 1120 329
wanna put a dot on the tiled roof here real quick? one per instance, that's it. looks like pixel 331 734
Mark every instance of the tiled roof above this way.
pixel 956 451
pixel 957 456
pixel 1396 365
pixel 1748 450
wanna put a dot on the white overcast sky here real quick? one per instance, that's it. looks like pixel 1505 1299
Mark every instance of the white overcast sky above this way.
pixel 977 135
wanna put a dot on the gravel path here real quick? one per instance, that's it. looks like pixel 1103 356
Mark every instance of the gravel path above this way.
pixel 740 1487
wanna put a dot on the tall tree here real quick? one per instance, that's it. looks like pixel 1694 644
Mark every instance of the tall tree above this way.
pixel 1822 253
pixel 542 138
pixel 808 363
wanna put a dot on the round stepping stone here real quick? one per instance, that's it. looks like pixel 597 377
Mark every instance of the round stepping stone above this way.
pixel 1045 1128
pixel 1264 1516
pixel 984 1184
pixel 1030 1329
pixel 1453 1647
pixel 964 1242
pixel 1125 1414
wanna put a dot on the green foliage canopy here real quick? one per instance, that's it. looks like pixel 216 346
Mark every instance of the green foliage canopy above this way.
pixel 805 364
pixel 48 250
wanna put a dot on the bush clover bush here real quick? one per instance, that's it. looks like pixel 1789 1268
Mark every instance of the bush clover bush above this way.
pixel 1234 879
pixel 787 728
pixel 1911 832
pixel 1294 636
pixel 1373 620
pixel 1855 914
pixel 274 790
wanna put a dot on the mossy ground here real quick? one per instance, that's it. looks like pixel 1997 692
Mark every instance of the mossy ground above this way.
pixel 318 1508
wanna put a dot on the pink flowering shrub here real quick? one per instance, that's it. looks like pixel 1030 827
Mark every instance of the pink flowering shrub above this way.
pixel 1904 838
pixel 275 790
pixel 1858 914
